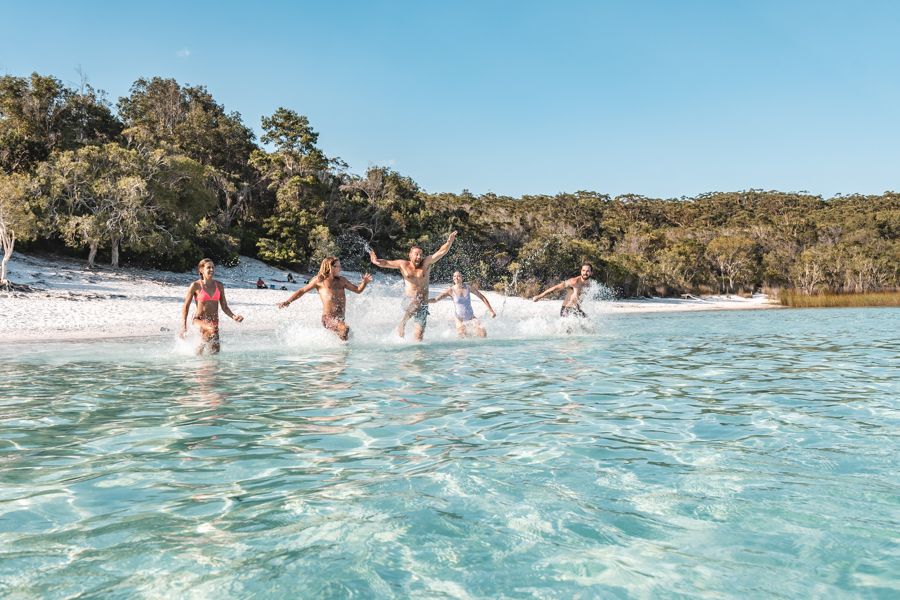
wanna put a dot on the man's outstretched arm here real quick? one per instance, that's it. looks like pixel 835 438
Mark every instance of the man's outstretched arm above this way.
pixel 443 250
pixel 559 286
pixel 384 264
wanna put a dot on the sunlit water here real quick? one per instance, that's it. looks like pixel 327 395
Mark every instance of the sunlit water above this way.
pixel 743 454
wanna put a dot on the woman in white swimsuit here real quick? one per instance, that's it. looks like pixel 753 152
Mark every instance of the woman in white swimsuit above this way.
pixel 461 294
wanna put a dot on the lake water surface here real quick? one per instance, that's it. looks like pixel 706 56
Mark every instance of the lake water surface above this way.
pixel 721 454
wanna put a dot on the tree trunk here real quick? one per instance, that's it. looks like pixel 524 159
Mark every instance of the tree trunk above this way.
pixel 114 253
pixel 92 254
pixel 9 242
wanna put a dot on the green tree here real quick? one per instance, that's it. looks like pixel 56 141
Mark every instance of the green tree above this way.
pixel 733 257
pixel 160 112
pixel 39 114
pixel 113 197
pixel 17 219
pixel 681 264
pixel 305 186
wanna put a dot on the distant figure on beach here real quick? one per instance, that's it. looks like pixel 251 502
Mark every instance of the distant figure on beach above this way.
pixel 209 294
pixel 331 285
pixel 416 272
pixel 290 278
pixel 571 306
pixel 260 284
pixel 461 294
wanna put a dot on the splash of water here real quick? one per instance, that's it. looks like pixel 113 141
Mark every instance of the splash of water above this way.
pixel 353 250
pixel 373 316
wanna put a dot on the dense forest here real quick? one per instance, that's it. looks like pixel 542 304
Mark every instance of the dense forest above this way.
pixel 168 175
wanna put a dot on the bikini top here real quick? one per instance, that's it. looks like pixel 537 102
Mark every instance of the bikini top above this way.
pixel 203 296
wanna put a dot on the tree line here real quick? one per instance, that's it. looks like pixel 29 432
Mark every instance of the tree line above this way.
pixel 168 175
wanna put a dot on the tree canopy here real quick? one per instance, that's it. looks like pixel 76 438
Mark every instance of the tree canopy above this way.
pixel 171 175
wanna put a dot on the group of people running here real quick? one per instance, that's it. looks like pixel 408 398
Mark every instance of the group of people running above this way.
pixel 209 294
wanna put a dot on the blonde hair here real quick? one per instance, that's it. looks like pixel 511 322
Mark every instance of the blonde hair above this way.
pixel 204 262
pixel 325 268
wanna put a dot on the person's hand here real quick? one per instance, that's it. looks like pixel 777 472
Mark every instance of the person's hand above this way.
pixel 238 318
pixel 283 304
pixel 452 236
pixel 372 255
pixel 536 298
pixel 493 315
pixel 182 333
pixel 367 278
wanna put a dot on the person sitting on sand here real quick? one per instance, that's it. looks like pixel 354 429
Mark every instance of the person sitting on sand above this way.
pixel 461 294
pixel 417 273
pixel 571 305
pixel 209 294
pixel 331 285
pixel 260 284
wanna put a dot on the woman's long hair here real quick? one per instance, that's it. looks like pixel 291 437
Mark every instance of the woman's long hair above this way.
pixel 325 268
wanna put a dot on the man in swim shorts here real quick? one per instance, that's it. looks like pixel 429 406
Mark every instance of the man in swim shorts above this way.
pixel 416 272
pixel 331 285
pixel 461 294
pixel 571 306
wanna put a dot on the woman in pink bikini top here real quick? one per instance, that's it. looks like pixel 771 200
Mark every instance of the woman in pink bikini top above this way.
pixel 206 315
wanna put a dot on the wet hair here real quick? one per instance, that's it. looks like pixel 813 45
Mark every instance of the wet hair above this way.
pixel 326 267
pixel 587 264
pixel 202 263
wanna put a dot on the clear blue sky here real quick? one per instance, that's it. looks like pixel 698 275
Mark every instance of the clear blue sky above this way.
pixel 661 98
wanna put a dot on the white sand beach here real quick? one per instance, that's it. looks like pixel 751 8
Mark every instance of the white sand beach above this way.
pixel 71 302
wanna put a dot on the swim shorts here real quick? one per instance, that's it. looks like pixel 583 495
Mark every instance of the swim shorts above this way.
pixel 572 311
pixel 333 323
pixel 420 312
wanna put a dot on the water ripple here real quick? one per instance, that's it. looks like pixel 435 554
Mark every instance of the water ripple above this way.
pixel 700 455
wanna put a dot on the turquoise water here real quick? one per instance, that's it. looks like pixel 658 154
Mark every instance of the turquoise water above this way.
pixel 739 454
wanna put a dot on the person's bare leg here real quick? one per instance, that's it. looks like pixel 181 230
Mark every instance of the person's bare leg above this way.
pixel 340 329
pixel 418 332
pixel 211 336
pixel 205 337
pixel 460 328
pixel 479 328
pixel 401 328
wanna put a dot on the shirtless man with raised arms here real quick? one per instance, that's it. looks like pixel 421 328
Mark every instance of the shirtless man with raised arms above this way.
pixel 416 272
pixel 571 305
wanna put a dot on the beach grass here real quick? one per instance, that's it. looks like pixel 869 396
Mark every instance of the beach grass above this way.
pixel 797 299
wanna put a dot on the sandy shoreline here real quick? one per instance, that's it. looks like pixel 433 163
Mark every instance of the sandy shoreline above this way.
pixel 71 302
